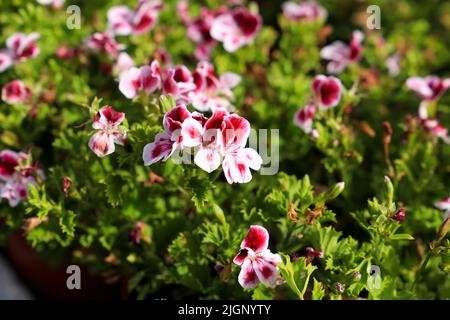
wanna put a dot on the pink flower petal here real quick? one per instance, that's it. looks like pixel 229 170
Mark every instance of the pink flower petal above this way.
pixel 9 160
pixel 257 239
pixel 192 132
pixel 241 256
pixel 162 148
pixel 6 60
pixel 129 82
pixel 266 272
pixel 247 277
pixel 102 144
pixel 119 20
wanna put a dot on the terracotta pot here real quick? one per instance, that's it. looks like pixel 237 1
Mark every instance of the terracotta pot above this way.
pixel 50 282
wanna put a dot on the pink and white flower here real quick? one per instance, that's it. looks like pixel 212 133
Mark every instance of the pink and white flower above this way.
pixel 444 205
pixel 306 11
pixel 168 141
pixel 304 117
pixel 219 139
pixel 341 55
pixel 178 82
pixel 104 41
pixel 146 78
pixel 257 263
pixel 16 176
pixel 124 21
pixel 428 88
pixel 22 47
pixel 328 91
pixel 16 92
pixel 236 28
pixel 211 92
pixel 198 29
pixel 110 132
pixel 435 129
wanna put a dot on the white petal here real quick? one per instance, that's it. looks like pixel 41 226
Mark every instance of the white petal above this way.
pixel 208 159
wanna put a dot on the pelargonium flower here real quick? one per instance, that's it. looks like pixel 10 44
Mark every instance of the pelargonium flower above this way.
pixel 198 29
pixel 445 206
pixel 54 3
pixel 15 176
pixel 15 92
pixel 178 82
pixel 308 11
pixel 211 92
pixel 429 89
pixel 219 139
pixel 146 78
pixel 124 21
pixel 328 91
pixel 104 41
pixel 435 129
pixel 236 28
pixel 110 132
pixel 23 47
pixel 304 117
pixel 341 55
pixel 257 263
pixel 311 254
pixel 168 141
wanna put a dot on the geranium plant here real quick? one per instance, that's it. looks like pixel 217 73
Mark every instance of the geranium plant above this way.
pixel 163 143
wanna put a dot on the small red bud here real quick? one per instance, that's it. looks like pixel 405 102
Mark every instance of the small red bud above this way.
pixel 400 215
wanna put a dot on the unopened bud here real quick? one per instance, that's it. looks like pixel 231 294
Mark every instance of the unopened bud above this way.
pixel 444 228
pixel 400 215
pixel 336 190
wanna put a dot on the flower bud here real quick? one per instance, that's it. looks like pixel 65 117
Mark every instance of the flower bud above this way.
pixel 400 215
pixel 340 287
pixel 444 228
pixel 336 190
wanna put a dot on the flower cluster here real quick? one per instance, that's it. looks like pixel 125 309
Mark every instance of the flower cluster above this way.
pixel 257 263
pixel 341 55
pixel 234 28
pixel 305 11
pixel 217 140
pixel 16 175
pixel 107 121
pixel 327 94
pixel 125 21
pixel 19 47
pixel 202 88
pixel 198 29
pixel 16 92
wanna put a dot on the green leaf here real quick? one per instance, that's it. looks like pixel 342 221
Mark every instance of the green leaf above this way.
pixel 67 222
pixel 318 291
pixel 402 236
pixel 135 280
